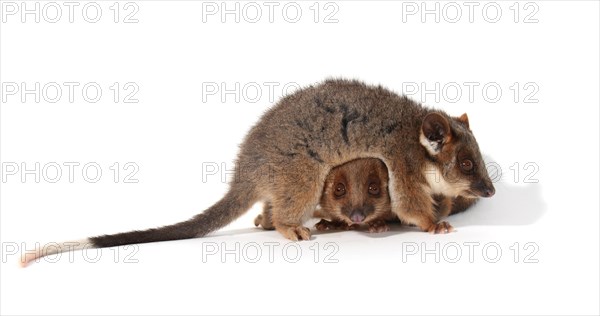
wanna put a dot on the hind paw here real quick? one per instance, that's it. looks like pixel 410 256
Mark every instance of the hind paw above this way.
pixel 295 233
pixel 262 221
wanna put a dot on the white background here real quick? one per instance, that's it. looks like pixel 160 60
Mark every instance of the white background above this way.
pixel 171 52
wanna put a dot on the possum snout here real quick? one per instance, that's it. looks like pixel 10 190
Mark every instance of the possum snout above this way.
pixel 484 189
pixel 489 191
pixel 357 216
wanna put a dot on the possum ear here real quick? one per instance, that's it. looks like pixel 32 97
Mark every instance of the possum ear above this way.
pixel 464 119
pixel 435 132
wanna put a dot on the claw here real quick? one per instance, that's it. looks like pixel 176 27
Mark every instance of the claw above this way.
pixel 378 227
pixel 441 228
pixel 295 233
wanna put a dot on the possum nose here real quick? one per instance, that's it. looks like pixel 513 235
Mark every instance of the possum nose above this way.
pixel 484 189
pixel 357 217
pixel 489 192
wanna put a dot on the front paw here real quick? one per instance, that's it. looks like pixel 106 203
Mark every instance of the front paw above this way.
pixel 294 233
pixel 324 225
pixel 442 227
pixel 378 226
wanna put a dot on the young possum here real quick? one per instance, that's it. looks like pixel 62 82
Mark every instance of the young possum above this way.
pixel 286 157
pixel 355 192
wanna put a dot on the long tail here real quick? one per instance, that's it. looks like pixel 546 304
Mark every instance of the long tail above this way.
pixel 235 203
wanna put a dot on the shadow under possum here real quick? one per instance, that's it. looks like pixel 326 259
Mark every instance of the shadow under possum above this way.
pixel 512 205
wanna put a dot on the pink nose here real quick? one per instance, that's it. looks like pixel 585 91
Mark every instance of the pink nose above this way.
pixel 489 192
pixel 357 217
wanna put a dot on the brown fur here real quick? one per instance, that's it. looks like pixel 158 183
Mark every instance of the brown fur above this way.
pixel 320 127
pixel 286 157
pixel 309 132
pixel 359 178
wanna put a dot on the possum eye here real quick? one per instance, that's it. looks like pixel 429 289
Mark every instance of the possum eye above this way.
pixel 373 189
pixel 466 165
pixel 340 190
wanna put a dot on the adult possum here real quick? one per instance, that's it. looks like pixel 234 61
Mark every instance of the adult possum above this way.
pixel 287 155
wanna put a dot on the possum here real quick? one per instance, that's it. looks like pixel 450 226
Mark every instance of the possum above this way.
pixel 354 193
pixel 286 157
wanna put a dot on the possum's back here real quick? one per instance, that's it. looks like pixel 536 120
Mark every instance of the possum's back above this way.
pixel 318 119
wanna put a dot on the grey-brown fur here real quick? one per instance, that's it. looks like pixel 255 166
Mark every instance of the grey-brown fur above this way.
pixel 306 134
pixel 287 155
pixel 220 214
pixel 363 198
pixel 355 193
